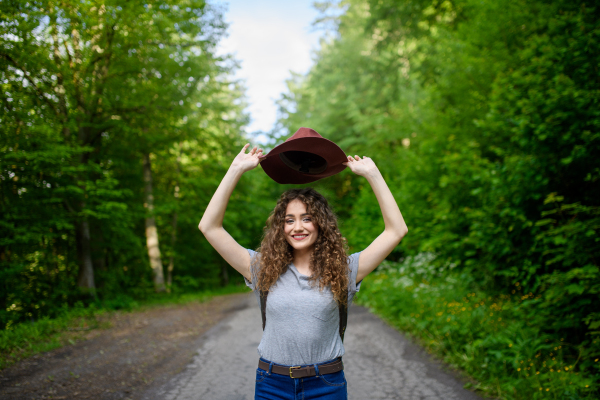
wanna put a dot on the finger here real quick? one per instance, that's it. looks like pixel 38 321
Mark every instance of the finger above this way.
pixel 350 158
pixel 245 147
pixel 253 151
pixel 345 163
pixel 357 158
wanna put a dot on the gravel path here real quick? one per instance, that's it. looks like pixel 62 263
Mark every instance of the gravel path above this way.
pixel 379 363
pixel 141 350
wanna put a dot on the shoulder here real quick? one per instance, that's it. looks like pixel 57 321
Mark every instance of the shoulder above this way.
pixel 254 267
pixel 254 258
pixel 353 260
pixel 353 286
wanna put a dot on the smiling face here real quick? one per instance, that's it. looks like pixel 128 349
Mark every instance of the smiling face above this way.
pixel 300 231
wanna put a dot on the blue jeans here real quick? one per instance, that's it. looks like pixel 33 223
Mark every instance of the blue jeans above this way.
pixel 271 386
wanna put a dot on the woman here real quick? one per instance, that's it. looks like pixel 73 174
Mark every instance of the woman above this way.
pixel 303 266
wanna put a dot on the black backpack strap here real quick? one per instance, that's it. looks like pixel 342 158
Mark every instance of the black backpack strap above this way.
pixel 343 316
pixel 263 306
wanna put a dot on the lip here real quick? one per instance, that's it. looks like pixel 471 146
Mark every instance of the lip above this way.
pixel 302 237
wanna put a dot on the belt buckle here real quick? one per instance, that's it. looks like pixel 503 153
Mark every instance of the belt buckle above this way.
pixel 291 368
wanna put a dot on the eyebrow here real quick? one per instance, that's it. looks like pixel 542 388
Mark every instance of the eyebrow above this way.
pixel 292 215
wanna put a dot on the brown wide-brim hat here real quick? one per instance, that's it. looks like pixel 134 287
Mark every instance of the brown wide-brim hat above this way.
pixel 303 158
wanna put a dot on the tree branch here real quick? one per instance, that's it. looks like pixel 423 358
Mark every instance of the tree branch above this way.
pixel 78 97
pixel 31 81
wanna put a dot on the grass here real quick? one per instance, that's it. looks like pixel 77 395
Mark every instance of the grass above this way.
pixel 27 339
pixel 486 337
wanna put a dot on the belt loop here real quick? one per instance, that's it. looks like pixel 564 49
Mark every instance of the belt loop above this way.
pixel 317 369
pixel 270 367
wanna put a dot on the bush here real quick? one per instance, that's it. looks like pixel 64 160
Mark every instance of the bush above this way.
pixel 499 340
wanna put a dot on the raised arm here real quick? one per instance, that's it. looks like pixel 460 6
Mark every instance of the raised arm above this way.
pixel 395 227
pixel 211 223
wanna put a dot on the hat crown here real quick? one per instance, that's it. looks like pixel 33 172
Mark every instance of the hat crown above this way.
pixel 304 133
pixel 304 157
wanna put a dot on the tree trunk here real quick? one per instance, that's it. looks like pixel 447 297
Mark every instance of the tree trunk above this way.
pixel 151 232
pixel 224 274
pixel 86 269
pixel 174 222
pixel 59 89
pixel 171 258
pixel 98 249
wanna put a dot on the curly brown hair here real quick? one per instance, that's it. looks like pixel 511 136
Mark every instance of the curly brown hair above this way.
pixel 329 260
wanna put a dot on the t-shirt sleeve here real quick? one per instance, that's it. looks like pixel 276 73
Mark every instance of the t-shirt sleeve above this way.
pixel 254 265
pixel 353 286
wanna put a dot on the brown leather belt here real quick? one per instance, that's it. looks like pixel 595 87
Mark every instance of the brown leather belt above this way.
pixel 303 372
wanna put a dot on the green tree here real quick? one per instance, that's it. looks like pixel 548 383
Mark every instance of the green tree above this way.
pixel 89 90
pixel 485 116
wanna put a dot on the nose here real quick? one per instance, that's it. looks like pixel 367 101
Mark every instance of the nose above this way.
pixel 298 226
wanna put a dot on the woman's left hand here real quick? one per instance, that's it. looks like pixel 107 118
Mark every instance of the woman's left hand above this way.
pixel 361 166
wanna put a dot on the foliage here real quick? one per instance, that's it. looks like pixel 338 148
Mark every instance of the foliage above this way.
pixel 87 89
pixel 495 339
pixel 483 116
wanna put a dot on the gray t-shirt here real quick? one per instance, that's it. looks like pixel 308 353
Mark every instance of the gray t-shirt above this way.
pixel 302 321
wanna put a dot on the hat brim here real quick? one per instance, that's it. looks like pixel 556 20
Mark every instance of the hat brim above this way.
pixel 277 170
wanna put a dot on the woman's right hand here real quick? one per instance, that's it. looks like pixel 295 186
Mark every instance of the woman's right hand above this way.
pixel 247 161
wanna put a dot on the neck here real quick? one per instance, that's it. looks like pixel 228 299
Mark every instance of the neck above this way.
pixel 302 258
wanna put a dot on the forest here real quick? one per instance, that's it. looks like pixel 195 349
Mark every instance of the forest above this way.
pixel 119 119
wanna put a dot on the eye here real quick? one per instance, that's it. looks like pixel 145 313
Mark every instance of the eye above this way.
pixel 289 221
pixel 307 219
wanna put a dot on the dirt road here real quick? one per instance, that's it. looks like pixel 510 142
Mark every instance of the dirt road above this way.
pixel 208 352
pixel 379 364
pixel 141 350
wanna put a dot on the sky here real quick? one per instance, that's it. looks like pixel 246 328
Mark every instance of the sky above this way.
pixel 270 38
